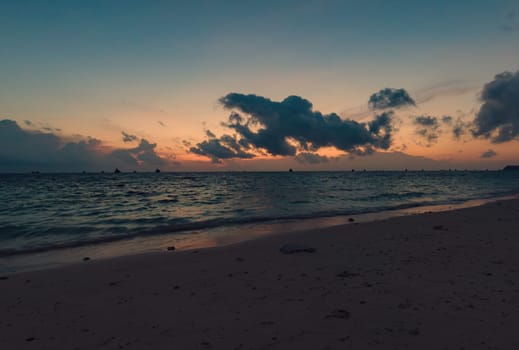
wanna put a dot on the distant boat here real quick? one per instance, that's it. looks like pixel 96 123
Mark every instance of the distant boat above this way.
pixel 511 167
pixel 117 171
pixel 157 170
pixel 290 170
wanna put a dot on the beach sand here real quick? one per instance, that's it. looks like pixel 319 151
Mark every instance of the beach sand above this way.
pixel 445 280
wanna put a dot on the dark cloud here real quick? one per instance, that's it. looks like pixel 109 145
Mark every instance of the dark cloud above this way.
pixel 447 119
pixel 161 123
pixel 129 137
pixel 390 98
pixel 427 127
pixel 291 126
pixel 50 129
pixel 311 158
pixel 144 154
pixel 18 145
pixel 425 120
pixel 430 127
pixel 488 154
pixel 498 117
pixel 286 127
pixel 23 150
pixel 224 148
pixel 459 128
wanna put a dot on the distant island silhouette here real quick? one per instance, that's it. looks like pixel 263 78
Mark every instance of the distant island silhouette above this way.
pixel 511 167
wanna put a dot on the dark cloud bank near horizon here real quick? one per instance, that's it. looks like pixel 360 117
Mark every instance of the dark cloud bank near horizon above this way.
pixel 24 150
pixel 289 128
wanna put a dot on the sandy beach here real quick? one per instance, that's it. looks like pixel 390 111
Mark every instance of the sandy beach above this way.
pixel 445 280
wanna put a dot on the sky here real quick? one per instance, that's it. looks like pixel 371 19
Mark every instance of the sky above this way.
pixel 258 85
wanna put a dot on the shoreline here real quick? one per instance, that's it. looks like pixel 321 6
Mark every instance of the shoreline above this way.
pixel 209 237
pixel 444 280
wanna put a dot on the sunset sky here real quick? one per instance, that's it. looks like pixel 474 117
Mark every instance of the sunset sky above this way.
pixel 91 85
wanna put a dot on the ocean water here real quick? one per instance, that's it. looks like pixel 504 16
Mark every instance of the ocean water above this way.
pixel 46 211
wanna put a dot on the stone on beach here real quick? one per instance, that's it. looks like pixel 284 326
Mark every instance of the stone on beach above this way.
pixel 291 248
pixel 342 314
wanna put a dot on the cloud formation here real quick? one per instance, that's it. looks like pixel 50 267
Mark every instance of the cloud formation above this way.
pixel 431 128
pixel 128 137
pixel 427 127
pixel 288 127
pixel 23 150
pixel 459 128
pixel 224 148
pixel 488 154
pixel 143 154
pixel 498 117
pixel 311 158
pixel 390 98
pixel 447 119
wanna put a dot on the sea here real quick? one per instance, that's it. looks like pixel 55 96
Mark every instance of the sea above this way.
pixel 46 213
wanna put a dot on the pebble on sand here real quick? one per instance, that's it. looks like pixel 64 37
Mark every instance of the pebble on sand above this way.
pixel 291 248
pixel 343 314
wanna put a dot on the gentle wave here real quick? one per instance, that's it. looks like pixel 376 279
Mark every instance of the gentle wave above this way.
pixel 118 234
pixel 42 212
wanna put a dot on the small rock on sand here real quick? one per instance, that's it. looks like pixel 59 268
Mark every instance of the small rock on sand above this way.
pixel 347 274
pixel 292 248
pixel 343 314
pixel 170 248
pixel 86 258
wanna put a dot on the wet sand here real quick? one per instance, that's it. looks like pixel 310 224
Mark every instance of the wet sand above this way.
pixel 445 280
